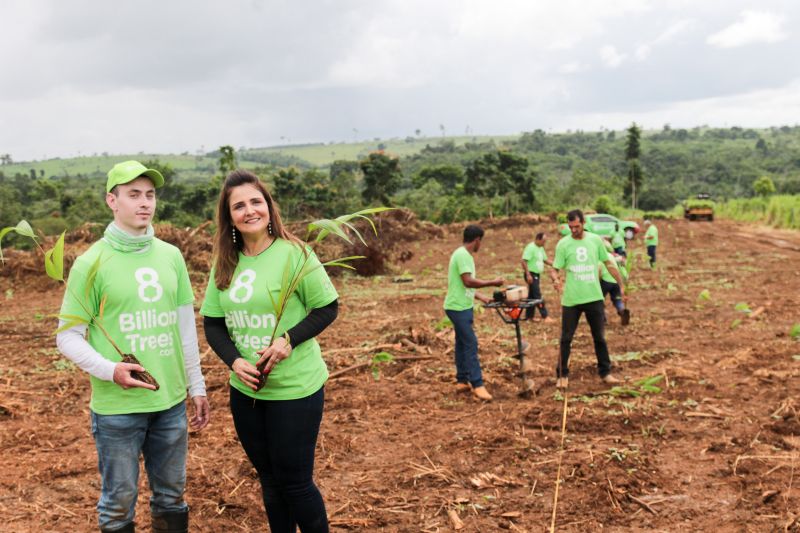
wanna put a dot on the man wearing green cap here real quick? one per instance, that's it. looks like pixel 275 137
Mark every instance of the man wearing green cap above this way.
pixel 134 292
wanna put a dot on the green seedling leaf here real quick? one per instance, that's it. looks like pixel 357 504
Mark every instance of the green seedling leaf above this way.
pixel 795 331
pixel 442 324
pixel 624 391
pixel 629 356
pixel 649 381
pixel 327 226
pixel 25 229
pixel 705 294
pixel 743 307
pixel 736 323
pixel 377 359
pixel 102 306
pixel 382 357
pixel 90 277
pixel 22 228
pixel 326 229
pixel 54 259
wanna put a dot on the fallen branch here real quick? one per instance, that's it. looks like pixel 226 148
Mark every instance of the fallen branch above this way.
pixel 356 366
pixel 697 414
pixel 455 521
pixel 395 346
pixel 642 503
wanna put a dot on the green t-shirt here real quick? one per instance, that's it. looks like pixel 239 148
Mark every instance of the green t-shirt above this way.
pixel 652 231
pixel 535 255
pixel 605 275
pixel 581 259
pixel 250 317
pixel 142 293
pixel 459 297
pixel 618 240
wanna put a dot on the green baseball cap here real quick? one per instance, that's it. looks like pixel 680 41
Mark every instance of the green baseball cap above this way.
pixel 130 170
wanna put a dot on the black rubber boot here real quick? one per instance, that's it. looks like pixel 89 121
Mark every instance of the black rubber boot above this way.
pixel 128 528
pixel 171 523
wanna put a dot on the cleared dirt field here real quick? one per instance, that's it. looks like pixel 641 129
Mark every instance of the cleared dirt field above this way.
pixel 717 448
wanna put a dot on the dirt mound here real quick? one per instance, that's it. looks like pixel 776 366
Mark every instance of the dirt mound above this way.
pixel 196 245
pixel 397 230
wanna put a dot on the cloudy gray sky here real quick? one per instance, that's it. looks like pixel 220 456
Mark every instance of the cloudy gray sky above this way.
pixel 85 76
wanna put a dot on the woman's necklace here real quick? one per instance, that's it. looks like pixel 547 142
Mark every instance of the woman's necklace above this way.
pixel 261 249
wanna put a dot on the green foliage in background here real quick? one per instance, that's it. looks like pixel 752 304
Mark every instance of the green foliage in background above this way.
pixel 443 179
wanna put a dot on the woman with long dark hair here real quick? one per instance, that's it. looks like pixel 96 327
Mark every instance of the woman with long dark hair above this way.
pixel 277 373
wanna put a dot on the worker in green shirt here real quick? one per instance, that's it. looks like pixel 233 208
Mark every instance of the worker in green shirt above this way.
pixel 651 241
pixel 534 258
pixel 610 286
pixel 132 294
pixel 461 285
pixel 580 255
pixel 618 241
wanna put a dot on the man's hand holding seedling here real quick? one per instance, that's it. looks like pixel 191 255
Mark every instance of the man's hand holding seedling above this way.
pixel 123 377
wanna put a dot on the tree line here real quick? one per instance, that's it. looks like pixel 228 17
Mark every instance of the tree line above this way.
pixel 445 182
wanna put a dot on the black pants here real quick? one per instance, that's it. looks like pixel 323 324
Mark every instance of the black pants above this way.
pixel 651 251
pixel 535 292
pixel 569 322
pixel 615 292
pixel 280 437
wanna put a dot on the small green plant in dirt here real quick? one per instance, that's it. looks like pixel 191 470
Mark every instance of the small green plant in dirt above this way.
pixel 375 364
pixel 630 356
pixel 648 385
pixel 64 365
pixel 704 296
pixel 736 323
pixel 9 294
pixel 794 333
pixel 444 323
pixel 650 431
pixel 742 307
pixel 621 454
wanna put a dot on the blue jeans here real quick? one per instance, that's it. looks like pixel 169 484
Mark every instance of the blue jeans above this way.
pixel 161 437
pixel 468 368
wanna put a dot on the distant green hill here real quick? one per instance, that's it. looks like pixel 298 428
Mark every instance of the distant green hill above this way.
pixel 192 167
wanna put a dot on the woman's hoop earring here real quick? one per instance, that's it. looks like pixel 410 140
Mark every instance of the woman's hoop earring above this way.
pixel 233 232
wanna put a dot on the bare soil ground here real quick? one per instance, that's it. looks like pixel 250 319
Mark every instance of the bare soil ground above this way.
pixel 716 449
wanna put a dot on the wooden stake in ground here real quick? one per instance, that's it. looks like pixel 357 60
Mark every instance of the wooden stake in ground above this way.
pixel 560 456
